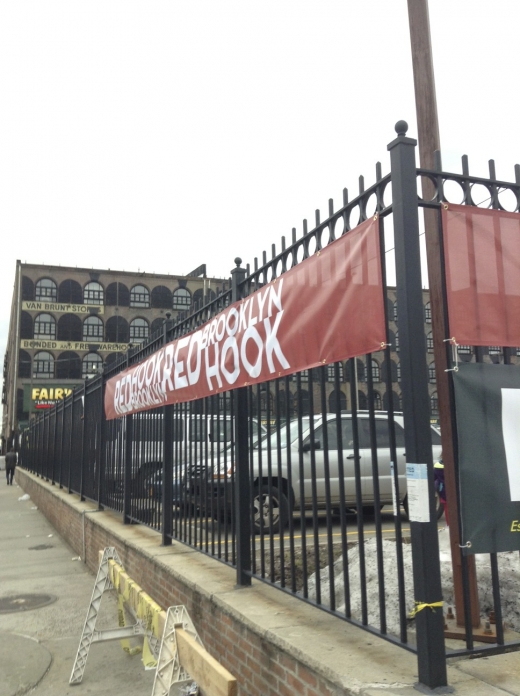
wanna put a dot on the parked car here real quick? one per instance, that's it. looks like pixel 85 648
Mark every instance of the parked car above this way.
pixel 198 440
pixel 299 463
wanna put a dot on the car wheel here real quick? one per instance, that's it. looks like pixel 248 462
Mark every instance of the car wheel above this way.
pixel 270 509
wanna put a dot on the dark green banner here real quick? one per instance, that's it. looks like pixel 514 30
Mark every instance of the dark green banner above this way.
pixel 487 404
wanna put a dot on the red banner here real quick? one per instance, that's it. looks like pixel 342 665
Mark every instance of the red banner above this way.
pixel 330 307
pixel 482 258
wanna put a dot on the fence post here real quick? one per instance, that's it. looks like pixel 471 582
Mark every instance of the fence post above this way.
pixel 416 408
pixel 127 471
pixel 84 436
pixel 167 485
pixel 101 450
pixel 242 500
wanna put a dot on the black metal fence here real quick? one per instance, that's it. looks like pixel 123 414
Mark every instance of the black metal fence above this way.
pixel 316 503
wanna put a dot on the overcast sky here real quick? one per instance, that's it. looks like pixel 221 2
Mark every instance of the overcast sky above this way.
pixel 159 135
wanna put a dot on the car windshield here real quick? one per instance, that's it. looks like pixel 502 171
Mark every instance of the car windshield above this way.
pixel 286 434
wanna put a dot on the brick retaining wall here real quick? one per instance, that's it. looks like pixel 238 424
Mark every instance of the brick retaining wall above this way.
pixel 274 644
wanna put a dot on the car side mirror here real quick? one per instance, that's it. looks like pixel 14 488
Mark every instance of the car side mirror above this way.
pixel 308 446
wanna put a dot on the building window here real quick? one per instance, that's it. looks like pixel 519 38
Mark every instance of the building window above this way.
pixel 331 372
pixel 304 375
pixel 24 364
pixel 429 342
pixel 181 299
pixel 398 372
pixel 45 327
pixel 93 293
pixel 376 372
pixel 464 350
pixel 434 404
pixel 139 330
pixel 431 373
pixel 69 328
pixel 428 313
pixel 494 350
pixel 46 290
pixel 91 365
pixel 378 403
pixel 43 365
pixel 92 329
pixel 117 330
pixel 70 292
pixel 397 341
pixel 139 296
pixel 161 297
pixel 395 310
pixel 68 365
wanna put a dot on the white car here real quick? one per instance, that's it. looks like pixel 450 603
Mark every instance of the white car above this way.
pixel 303 466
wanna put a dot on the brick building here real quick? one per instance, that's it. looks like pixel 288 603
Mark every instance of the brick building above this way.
pixel 68 323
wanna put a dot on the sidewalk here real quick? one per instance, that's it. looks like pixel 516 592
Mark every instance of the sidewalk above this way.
pixel 46 639
pixel 38 646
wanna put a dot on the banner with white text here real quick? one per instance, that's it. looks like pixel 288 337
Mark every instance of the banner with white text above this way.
pixel 329 307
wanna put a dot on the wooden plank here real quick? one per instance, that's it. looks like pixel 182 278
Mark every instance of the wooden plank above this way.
pixel 212 678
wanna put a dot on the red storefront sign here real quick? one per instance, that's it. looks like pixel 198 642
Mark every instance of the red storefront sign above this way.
pixel 482 259
pixel 329 307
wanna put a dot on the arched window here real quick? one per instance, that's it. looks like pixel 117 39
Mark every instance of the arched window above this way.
pixel 393 370
pixel 434 404
pixel 26 325
pixel 362 403
pixel 431 372
pixel 43 365
pixel 395 401
pixel 117 295
pixel 161 297
pixel 113 358
pixel 181 299
pixel 91 365
pixel 334 397
pixel 45 327
pixel 303 398
pixel 92 329
pixel 27 289
pixel 46 290
pixel 69 328
pixel 429 342
pixel 376 372
pixel 93 293
pixel 378 404
pixel 68 365
pixel 139 296
pixel 139 330
pixel 70 292
pixel 157 325
pixel 117 330
pixel 24 364
pixel 428 313
pixel 198 297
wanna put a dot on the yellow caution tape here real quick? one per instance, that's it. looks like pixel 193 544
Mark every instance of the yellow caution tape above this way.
pixel 144 607
pixel 419 606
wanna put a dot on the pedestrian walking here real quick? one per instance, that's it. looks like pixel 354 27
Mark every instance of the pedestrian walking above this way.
pixel 10 465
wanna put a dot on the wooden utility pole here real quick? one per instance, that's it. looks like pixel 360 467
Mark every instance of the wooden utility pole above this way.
pixel 429 142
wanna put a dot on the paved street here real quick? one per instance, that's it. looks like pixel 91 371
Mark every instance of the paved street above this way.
pixel 38 646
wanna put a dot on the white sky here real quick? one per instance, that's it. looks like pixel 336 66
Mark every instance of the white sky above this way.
pixel 159 135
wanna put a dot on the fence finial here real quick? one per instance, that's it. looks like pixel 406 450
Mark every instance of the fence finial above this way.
pixel 238 261
pixel 401 127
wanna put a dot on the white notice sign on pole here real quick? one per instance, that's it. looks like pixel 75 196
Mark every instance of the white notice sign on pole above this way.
pixel 417 487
